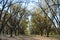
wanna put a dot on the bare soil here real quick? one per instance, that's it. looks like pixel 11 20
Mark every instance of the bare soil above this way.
pixel 23 37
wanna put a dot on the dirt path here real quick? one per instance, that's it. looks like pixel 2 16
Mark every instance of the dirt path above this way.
pixel 27 38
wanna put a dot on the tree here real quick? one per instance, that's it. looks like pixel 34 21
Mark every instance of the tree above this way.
pixel 19 14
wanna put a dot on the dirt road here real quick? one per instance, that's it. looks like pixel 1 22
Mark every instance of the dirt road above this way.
pixel 27 38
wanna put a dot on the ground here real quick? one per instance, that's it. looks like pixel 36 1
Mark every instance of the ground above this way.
pixel 23 37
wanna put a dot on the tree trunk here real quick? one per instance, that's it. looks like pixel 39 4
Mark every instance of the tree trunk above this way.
pixel 15 33
pixel 41 31
pixel 18 31
pixel 48 31
pixel 3 31
pixel 11 34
